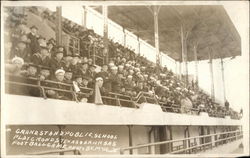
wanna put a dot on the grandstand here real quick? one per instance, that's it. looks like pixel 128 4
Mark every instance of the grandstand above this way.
pixel 70 78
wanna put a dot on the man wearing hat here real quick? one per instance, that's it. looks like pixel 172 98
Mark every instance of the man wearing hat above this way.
pixel 41 57
pixel 34 45
pixel 91 73
pixel 115 81
pixel 31 71
pixel 59 77
pixel 75 62
pixel 44 73
pixel 68 76
pixel 82 69
pixel 57 62
pixel 105 75
pixel 67 61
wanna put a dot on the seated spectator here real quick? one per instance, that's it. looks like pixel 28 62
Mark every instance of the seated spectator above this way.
pixel 115 81
pixel 57 94
pixel 44 73
pixel 85 82
pixel 91 73
pixel 41 57
pixel 31 71
pixel 57 62
pixel 68 76
pixel 105 75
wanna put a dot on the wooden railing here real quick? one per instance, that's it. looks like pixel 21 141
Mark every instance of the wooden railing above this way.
pixel 61 152
pixel 110 98
pixel 219 138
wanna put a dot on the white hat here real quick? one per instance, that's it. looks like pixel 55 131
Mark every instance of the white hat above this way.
pixel 17 59
pixel 127 65
pixel 129 76
pixel 113 68
pixel 99 79
pixel 60 71
pixel 137 69
pixel 178 88
pixel 120 66
pixel 111 64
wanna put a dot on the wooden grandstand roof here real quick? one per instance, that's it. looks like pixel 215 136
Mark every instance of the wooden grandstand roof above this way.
pixel 209 27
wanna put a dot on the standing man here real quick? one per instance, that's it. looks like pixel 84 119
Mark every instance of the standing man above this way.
pixel 34 45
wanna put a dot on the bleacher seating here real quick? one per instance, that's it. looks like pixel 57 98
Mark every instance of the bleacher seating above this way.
pixel 130 79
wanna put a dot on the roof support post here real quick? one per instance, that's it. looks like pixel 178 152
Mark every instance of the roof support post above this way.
pixel 105 33
pixel 59 25
pixel 124 37
pixel 180 71
pixel 156 10
pixel 84 19
pixel 182 50
pixel 223 80
pixel 186 62
pixel 139 45
pixel 196 65
pixel 211 74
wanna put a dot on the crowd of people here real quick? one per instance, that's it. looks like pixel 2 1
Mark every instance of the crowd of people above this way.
pixel 126 73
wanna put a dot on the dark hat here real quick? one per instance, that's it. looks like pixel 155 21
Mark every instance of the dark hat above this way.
pixel 85 77
pixel 60 46
pixel 50 42
pixel 76 55
pixel 33 27
pixel 58 52
pixel 92 65
pixel 32 65
pixel 77 76
pixel 42 47
pixel 20 41
pixel 68 55
pixel 44 68
pixel 41 37
pixel 68 69
pixel 83 63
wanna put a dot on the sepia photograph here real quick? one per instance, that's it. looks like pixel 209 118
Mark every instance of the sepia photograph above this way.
pixel 124 79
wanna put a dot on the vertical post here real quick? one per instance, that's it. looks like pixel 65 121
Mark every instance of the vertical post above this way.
pixel 84 20
pixel 176 67
pixel 59 25
pixel 156 30
pixel 182 48
pixel 180 70
pixel 186 61
pixel 139 45
pixel 223 80
pixel 196 65
pixel 211 74
pixel 105 33
pixel 124 37
pixel 130 138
